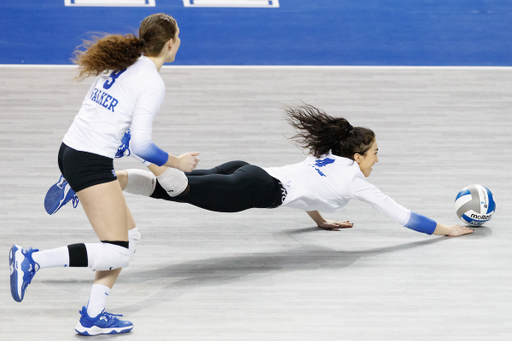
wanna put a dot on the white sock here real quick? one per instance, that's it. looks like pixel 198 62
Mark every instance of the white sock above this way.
pixel 173 181
pixel 140 182
pixel 98 299
pixel 58 257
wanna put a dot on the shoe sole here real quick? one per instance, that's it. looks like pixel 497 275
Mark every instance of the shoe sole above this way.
pixel 16 277
pixel 98 331
pixel 53 198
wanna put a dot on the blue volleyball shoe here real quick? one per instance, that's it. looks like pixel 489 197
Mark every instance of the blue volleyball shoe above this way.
pixel 104 323
pixel 124 148
pixel 22 268
pixel 59 195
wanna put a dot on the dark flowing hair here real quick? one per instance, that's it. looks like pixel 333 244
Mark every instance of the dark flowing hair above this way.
pixel 321 133
pixel 117 52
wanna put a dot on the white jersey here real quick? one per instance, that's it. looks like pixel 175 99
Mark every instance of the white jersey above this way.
pixel 116 101
pixel 328 183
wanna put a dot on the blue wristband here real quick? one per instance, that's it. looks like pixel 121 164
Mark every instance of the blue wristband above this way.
pixel 154 155
pixel 420 223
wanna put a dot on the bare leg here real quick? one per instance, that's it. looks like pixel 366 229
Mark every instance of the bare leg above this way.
pixel 122 178
pixel 106 209
pixel 107 278
pixel 157 170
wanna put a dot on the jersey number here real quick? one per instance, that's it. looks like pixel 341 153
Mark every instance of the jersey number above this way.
pixel 108 84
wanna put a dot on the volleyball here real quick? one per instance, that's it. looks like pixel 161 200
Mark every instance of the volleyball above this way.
pixel 475 205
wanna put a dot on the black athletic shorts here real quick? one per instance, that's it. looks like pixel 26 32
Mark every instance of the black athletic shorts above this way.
pixel 83 169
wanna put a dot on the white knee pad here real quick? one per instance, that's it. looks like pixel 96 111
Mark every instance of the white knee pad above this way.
pixel 106 256
pixel 133 236
pixel 173 181
pixel 140 182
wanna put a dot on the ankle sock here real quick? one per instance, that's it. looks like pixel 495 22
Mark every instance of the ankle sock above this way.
pixel 97 300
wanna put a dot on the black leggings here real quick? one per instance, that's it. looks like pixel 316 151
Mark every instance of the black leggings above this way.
pixel 231 187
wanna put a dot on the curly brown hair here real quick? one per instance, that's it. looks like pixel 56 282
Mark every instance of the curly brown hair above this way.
pixel 117 52
pixel 321 133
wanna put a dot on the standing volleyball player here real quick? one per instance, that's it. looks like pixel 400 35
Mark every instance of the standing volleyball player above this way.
pixel 127 93
pixel 341 158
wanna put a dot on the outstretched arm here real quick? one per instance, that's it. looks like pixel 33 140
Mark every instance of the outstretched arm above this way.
pixel 328 224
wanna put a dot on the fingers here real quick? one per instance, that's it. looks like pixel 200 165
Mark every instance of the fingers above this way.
pixel 467 230
pixel 194 160
pixel 343 224
pixel 458 230
pixel 188 161
pixel 335 225
pixel 346 224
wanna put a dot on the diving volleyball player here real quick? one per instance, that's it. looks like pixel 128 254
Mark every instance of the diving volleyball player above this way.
pixel 341 159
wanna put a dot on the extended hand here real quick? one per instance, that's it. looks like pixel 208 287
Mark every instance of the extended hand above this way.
pixel 334 225
pixel 457 230
pixel 187 162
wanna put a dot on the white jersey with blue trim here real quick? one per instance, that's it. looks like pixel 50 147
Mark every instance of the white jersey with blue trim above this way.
pixel 116 101
pixel 328 183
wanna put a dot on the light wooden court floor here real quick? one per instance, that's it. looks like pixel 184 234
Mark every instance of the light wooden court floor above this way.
pixel 269 274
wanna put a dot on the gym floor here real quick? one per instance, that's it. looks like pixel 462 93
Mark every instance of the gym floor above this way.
pixel 431 78
pixel 270 274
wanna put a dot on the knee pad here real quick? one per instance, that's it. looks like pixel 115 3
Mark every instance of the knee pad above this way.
pixel 140 182
pixel 173 181
pixel 106 256
pixel 134 237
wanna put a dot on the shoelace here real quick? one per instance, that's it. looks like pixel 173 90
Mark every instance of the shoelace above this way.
pixel 112 316
pixel 109 318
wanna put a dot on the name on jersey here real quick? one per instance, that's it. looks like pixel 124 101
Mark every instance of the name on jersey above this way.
pixel 104 99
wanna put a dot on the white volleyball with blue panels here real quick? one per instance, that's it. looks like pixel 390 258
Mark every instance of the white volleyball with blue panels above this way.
pixel 475 205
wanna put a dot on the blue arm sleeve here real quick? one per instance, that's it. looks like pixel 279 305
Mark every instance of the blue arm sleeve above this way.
pixel 152 154
pixel 420 223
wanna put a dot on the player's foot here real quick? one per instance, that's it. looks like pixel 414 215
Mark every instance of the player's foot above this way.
pixel 23 268
pixel 124 148
pixel 59 195
pixel 104 323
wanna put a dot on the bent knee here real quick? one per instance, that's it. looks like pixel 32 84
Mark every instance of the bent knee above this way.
pixel 107 256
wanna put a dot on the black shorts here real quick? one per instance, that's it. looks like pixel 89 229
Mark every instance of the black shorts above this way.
pixel 83 169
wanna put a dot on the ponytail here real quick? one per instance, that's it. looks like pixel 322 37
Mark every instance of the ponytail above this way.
pixel 321 133
pixel 111 52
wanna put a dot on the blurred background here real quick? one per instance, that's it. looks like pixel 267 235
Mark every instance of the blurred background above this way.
pixel 284 32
